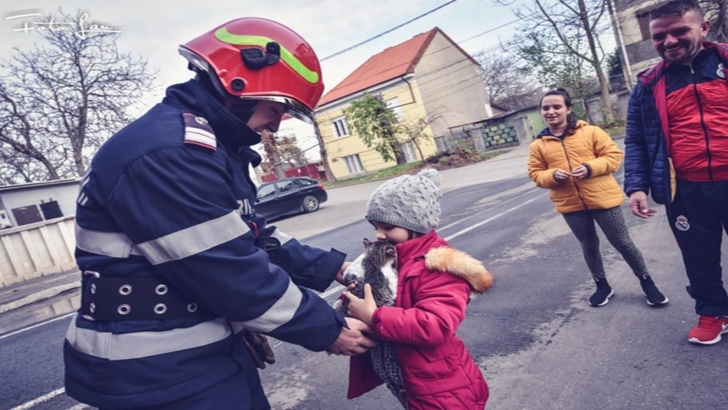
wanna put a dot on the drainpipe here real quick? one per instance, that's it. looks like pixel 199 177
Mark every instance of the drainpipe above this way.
pixel 412 93
pixel 626 68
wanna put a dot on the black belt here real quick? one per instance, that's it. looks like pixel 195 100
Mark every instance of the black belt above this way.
pixel 135 299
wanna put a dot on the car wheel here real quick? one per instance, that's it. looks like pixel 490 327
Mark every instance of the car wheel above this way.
pixel 310 203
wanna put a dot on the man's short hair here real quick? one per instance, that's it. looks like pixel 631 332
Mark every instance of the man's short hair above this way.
pixel 676 8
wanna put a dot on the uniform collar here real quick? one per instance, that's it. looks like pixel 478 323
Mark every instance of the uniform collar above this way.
pixel 230 130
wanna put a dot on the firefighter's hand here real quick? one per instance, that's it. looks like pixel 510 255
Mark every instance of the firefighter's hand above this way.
pixel 340 274
pixel 352 341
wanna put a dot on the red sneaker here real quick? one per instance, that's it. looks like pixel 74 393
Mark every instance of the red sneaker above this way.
pixel 708 330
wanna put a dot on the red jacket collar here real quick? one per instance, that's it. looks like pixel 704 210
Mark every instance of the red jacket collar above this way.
pixel 418 247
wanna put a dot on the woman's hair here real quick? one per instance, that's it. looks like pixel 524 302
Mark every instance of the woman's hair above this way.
pixel 571 118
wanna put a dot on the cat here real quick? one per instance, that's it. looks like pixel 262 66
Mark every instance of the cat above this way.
pixel 377 266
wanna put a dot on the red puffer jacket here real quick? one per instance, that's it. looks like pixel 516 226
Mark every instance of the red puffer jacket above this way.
pixel 433 291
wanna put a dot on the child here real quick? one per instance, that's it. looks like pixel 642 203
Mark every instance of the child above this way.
pixel 433 290
pixel 576 161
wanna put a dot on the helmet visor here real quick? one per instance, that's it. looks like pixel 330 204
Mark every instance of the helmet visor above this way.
pixel 293 108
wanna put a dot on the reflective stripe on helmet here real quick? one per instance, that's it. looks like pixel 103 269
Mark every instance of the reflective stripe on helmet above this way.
pixel 225 36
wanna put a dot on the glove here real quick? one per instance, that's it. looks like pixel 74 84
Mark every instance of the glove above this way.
pixel 259 348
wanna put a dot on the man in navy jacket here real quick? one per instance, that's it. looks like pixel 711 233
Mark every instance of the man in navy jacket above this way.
pixel 677 148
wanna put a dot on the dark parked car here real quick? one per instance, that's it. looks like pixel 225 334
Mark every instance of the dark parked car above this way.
pixel 289 196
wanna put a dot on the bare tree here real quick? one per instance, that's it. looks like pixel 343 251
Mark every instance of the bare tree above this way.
pixel 555 66
pixel 62 99
pixel 574 22
pixel 505 81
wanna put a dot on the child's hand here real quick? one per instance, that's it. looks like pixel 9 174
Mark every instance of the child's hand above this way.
pixel 362 309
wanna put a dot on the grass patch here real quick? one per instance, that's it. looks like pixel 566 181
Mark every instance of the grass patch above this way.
pixel 616 130
pixel 397 170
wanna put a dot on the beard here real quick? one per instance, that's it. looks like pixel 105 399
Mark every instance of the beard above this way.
pixel 690 51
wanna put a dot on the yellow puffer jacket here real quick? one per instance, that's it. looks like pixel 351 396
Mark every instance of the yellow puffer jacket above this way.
pixel 588 145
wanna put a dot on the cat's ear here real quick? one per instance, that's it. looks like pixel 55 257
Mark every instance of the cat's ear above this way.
pixel 391 251
pixel 367 244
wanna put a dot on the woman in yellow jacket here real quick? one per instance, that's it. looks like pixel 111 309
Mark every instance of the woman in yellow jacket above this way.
pixel 576 161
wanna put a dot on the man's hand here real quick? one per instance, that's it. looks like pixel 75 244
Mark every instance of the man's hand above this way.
pixel 362 309
pixel 340 274
pixel 580 172
pixel 561 175
pixel 351 341
pixel 639 206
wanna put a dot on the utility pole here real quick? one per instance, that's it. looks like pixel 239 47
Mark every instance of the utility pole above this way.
pixel 617 28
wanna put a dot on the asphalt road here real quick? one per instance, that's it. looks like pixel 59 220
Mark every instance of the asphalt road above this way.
pixel 539 344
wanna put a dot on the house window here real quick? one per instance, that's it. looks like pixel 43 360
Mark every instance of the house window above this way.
pixel 353 164
pixel 408 148
pixel 341 128
pixel 394 105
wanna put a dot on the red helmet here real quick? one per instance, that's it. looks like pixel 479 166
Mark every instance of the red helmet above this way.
pixel 258 59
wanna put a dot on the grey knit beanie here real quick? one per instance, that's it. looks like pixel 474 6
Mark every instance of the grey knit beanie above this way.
pixel 408 201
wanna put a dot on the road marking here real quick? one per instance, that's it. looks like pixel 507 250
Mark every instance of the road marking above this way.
pixel 463 220
pixel 37 325
pixel 455 235
pixel 466 230
pixel 40 399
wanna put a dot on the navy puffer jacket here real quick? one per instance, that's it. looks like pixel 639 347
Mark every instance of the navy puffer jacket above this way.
pixel 646 163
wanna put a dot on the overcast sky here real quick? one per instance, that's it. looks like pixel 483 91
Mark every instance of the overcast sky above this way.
pixel 154 29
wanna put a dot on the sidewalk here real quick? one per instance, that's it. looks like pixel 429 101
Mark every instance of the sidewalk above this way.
pixel 38 299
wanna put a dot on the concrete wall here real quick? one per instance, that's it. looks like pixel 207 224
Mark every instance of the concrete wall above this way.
pixel 38 249
pixel 451 85
pixel 636 39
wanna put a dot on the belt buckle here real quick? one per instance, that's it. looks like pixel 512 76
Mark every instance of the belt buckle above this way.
pixel 96 275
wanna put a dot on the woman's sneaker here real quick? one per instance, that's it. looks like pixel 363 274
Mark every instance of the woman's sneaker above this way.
pixel 709 330
pixel 601 296
pixel 654 296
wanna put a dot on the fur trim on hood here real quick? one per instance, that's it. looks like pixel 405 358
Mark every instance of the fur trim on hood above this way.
pixel 460 264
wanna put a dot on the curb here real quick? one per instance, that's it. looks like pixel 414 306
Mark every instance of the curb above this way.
pixel 35 297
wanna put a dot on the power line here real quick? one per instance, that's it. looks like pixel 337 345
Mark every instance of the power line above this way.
pixel 388 31
pixel 514 40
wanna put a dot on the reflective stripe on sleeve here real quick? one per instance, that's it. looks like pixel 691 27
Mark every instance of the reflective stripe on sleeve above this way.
pixel 195 239
pixel 113 244
pixel 282 237
pixel 137 345
pixel 278 315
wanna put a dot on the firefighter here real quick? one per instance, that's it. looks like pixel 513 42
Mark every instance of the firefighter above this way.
pixel 180 277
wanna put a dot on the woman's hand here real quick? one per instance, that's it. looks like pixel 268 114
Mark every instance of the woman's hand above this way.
pixel 580 172
pixel 561 175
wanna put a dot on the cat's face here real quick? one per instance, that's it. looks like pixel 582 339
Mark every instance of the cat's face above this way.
pixel 390 233
pixel 381 253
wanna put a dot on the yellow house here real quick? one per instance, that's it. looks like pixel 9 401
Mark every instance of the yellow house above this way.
pixel 427 80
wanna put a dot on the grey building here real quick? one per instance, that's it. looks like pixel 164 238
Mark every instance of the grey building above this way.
pixel 23 204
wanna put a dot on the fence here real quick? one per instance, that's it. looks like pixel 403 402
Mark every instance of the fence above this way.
pixel 38 249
